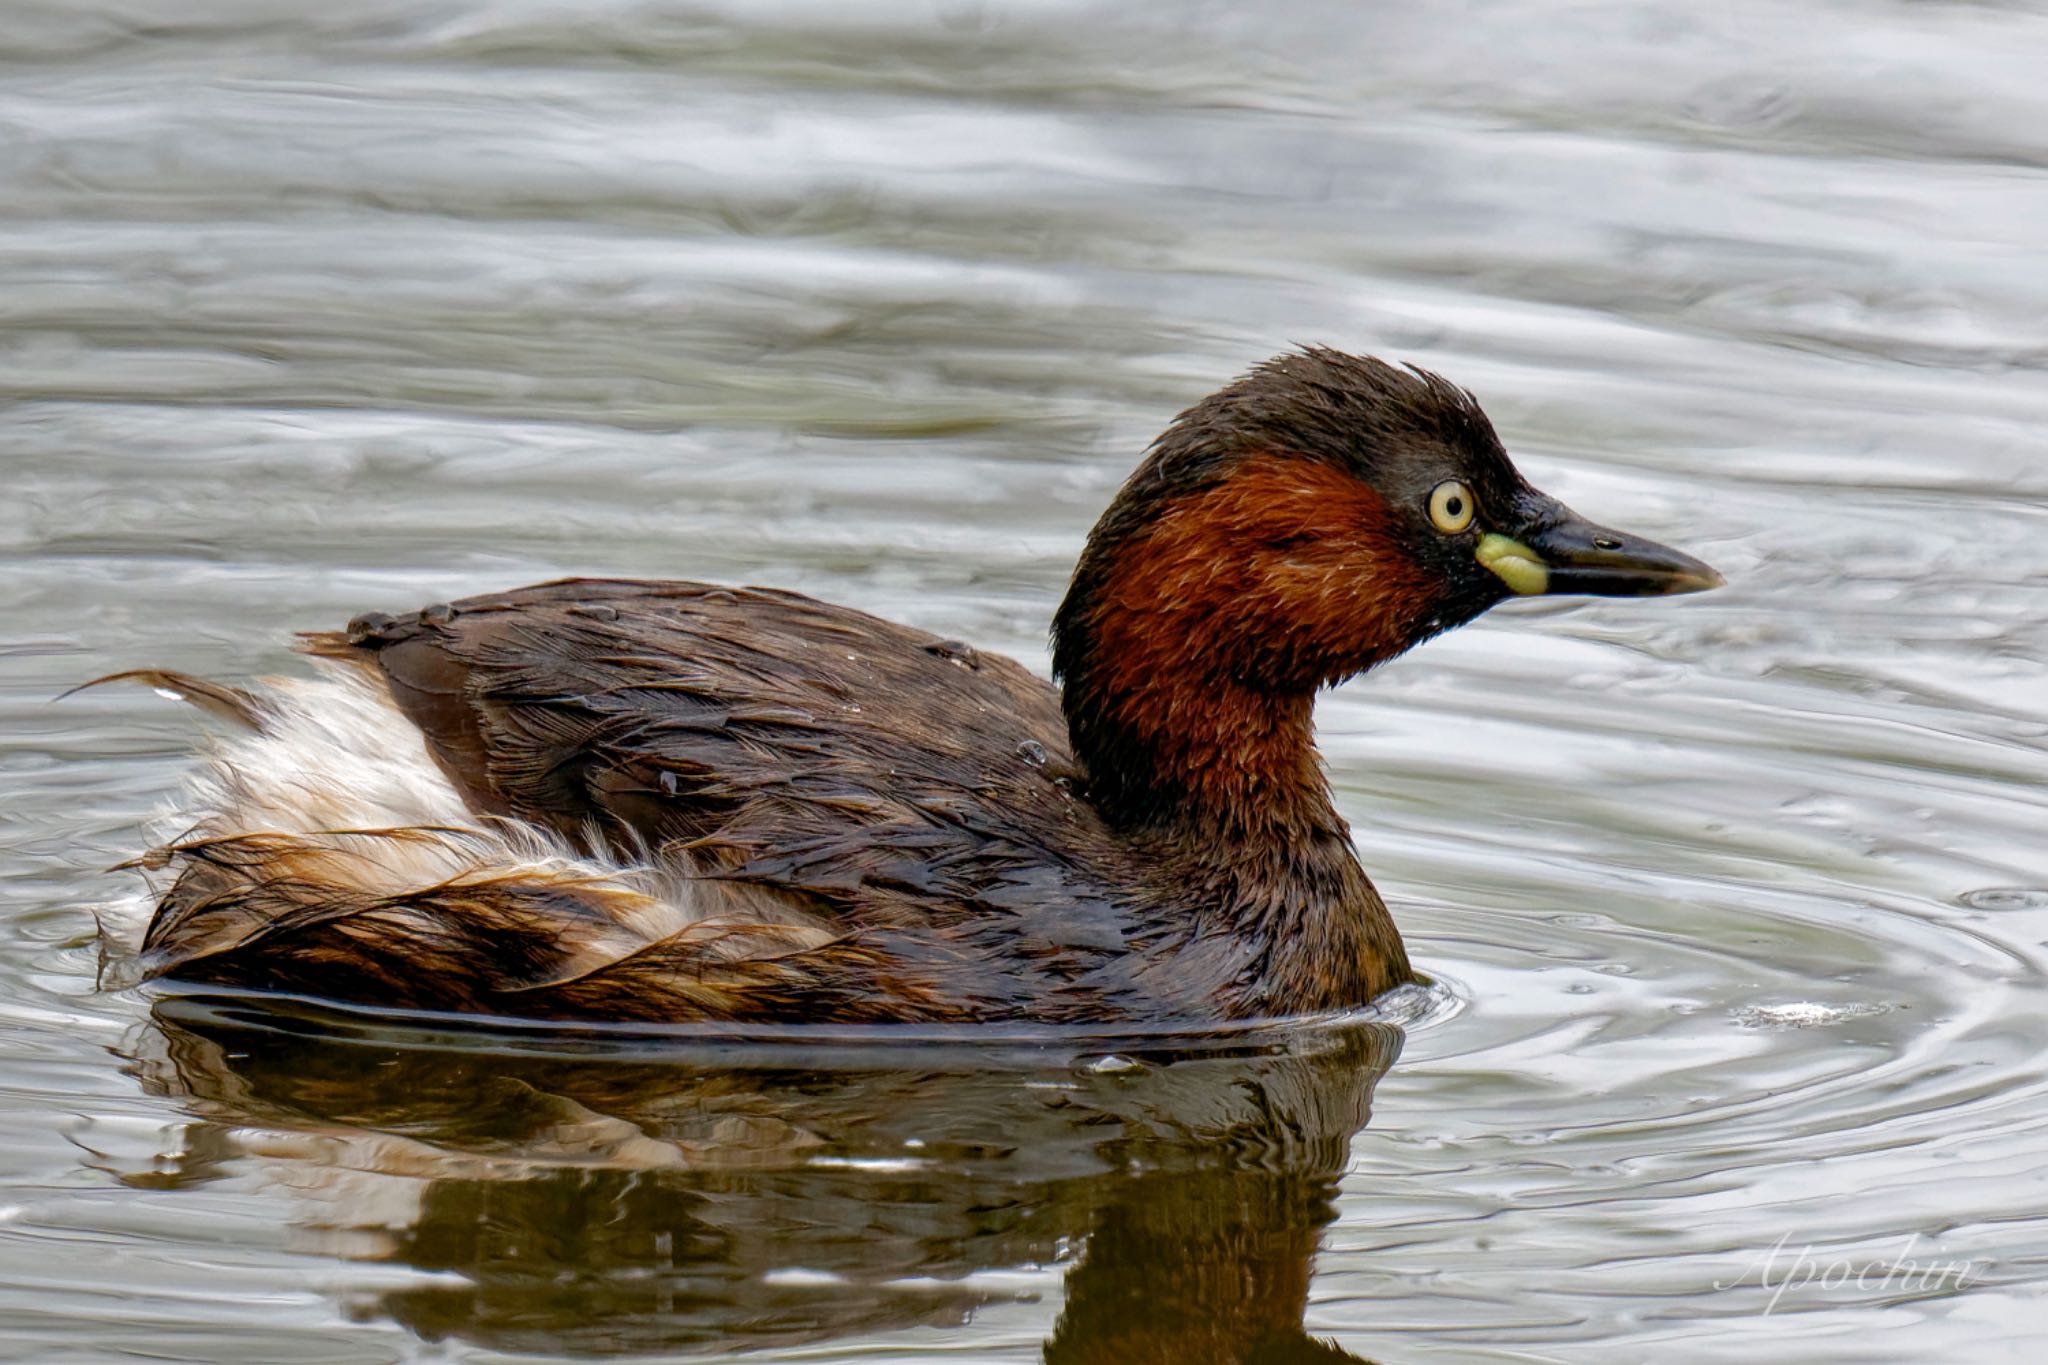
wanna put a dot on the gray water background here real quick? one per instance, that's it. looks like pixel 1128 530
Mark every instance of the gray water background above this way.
pixel 1739 902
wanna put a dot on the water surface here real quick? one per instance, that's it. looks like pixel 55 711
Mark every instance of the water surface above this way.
pixel 1738 902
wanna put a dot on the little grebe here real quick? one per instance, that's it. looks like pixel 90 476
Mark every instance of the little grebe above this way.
pixel 617 799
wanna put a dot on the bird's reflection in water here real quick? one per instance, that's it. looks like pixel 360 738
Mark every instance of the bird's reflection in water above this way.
pixel 589 1193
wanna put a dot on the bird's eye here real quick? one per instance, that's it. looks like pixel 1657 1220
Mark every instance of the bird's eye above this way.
pixel 1450 507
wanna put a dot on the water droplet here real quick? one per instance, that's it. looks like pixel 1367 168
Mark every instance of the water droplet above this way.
pixel 1034 753
pixel 1114 1064
pixel 371 625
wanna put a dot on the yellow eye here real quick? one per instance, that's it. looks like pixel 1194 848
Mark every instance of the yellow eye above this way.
pixel 1450 507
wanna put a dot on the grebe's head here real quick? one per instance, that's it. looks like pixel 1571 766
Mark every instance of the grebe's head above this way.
pixel 1317 517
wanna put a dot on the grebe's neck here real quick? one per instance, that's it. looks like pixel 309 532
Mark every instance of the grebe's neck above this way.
pixel 1175 747
pixel 1200 624
pixel 1216 786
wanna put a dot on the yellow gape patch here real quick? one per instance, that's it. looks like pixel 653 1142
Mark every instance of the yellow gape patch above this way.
pixel 1515 562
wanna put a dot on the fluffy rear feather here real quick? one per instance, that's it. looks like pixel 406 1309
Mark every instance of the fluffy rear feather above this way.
pixel 326 852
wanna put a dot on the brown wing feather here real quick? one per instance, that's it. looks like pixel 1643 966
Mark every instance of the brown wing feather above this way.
pixel 216 699
pixel 907 793
pixel 271 912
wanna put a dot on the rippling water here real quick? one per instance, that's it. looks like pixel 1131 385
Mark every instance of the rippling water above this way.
pixel 1739 903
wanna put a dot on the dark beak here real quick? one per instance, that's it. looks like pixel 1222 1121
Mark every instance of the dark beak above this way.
pixel 1559 551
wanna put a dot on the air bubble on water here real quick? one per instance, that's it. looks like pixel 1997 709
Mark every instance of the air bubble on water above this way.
pixel 1804 1014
